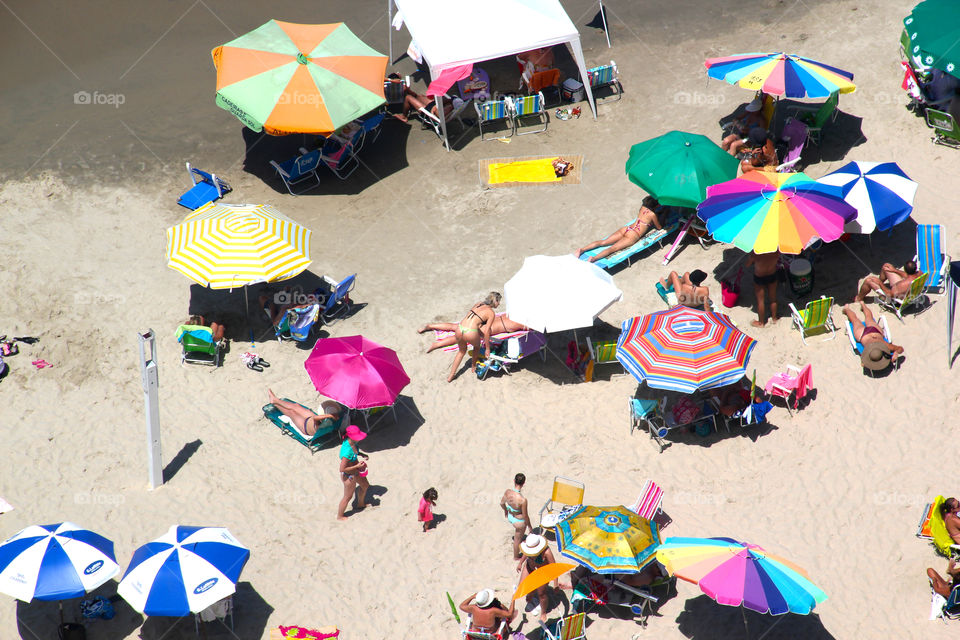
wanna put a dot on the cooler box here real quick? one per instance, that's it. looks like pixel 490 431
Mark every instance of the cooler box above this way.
pixel 572 90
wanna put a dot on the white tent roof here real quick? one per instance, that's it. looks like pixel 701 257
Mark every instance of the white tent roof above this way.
pixel 450 33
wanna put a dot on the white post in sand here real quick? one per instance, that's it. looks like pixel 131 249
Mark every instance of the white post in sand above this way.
pixel 151 383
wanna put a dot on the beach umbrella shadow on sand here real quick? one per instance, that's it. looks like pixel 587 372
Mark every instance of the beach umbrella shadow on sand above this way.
pixel 378 158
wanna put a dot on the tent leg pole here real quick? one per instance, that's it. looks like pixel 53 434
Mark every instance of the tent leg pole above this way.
pixel 606 31
pixel 443 121
pixel 390 28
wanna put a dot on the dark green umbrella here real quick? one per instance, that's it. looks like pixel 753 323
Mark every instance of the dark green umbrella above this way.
pixel 934 30
pixel 677 167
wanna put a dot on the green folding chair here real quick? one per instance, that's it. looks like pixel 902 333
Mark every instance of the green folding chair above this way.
pixel 915 296
pixel 817 120
pixel 814 318
pixel 197 345
pixel 945 129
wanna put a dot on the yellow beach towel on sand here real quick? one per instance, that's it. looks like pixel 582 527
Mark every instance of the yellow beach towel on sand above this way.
pixel 523 171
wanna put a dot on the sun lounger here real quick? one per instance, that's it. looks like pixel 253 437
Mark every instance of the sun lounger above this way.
pixel 328 430
pixel 934 529
pixel 206 188
pixel 498 337
pixel 914 297
pixel 510 351
pixel 197 345
pixel 813 318
pixel 654 237
pixel 570 627
pixel 858 347
pixel 566 494
pixel 480 635
pixel 932 257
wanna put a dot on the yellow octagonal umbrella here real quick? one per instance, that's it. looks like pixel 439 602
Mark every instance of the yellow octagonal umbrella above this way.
pixel 222 246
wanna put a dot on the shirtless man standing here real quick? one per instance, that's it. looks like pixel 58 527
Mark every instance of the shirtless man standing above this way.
pixel 764 285
pixel 898 280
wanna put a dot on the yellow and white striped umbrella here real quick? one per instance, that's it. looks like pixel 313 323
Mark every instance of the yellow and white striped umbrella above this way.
pixel 222 246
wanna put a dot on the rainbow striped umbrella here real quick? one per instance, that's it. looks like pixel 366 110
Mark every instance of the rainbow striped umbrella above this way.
pixel 765 211
pixel 684 349
pixel 781 74
pixel 741 574
pixel 298 78
pixel 222 246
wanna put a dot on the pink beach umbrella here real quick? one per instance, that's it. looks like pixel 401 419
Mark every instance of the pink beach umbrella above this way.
pixel 356 372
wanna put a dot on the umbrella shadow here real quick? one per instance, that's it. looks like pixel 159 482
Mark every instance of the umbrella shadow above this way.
pixel 180 460
pixel 39 620
pixel 250 615
pixel 386 434
pixel 378 158
pixel 838 137
pixel 704 619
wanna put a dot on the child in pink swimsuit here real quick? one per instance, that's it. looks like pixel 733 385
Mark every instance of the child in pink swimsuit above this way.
pixel 425 510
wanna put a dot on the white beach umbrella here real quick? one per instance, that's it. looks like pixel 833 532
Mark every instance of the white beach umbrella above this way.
pixel 557 293
pixel 184 571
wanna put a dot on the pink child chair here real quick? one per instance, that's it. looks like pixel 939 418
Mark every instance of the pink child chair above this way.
pixel 785 383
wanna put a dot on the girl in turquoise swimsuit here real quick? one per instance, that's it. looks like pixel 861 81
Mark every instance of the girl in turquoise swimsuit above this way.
pixel 514 507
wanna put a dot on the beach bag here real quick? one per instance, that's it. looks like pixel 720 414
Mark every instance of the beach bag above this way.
pixel 685 411
pixel 730 290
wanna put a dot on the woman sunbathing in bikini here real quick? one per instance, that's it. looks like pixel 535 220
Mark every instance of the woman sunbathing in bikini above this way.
pixel 868 330
pixel 474 330
pixel 303 419
pixel 501 324
pixel 629 235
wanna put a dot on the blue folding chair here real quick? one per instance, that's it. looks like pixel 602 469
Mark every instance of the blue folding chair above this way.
pixel 605 76
pixel 206 188
pixel 336 298
pixel 299 170
pixel 529 107
pixel 297 323
pixel 370 128
pixel 932 257
pixel 490 111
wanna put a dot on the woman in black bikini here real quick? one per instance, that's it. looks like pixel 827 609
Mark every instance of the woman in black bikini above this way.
pixel 474 330
pixel 305 420
pixel 536 553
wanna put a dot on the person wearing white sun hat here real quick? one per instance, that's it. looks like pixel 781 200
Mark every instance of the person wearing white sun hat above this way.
pixel 536 553
pixel 486 613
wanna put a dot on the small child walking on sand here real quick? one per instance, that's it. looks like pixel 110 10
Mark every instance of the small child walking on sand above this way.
pixel 425 510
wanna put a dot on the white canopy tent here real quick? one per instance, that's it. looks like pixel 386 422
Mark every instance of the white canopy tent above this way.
pixel 449 34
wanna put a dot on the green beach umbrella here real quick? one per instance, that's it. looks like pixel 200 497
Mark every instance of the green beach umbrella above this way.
pixel 934 30
pixel 677 167
pixel 298 78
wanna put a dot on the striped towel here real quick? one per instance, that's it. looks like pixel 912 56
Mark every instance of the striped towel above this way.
pixel 649 501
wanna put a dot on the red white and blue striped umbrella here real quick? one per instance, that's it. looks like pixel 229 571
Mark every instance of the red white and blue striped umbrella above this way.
pixel 684 349
pixel 55 562
pixel 781 74
pixel 881 193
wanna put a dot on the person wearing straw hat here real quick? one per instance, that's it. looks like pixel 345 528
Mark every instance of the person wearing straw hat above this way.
pixel 536 553
pixel 486 613
pixel 877 353
pixel 353 471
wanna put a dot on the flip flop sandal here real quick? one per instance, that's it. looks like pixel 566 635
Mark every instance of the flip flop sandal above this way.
pixel 27 340
pixel 40 364
pixel 254 366
pixel 262 362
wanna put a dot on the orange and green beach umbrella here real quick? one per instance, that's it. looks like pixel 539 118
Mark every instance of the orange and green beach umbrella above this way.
pixel 287 78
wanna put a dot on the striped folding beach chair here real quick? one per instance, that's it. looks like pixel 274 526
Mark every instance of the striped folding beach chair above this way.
pixel 648 504
pixel 606 76
pixel 932 257
pixel 814 317
pixel 529 107
pixel 492 110
pixel 572 627
pixel 914 296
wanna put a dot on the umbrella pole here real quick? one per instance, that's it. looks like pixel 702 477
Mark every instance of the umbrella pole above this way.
pixel 770 628
pixel 746 627
pixel 246 311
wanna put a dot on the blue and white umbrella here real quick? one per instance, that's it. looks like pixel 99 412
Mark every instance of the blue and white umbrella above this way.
pixel 55 562
pixel 184 571
pixel 880 191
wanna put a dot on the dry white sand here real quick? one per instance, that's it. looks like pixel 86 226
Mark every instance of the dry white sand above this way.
pixel 90 189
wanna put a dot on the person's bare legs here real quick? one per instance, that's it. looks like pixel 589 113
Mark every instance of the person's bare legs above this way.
pixel 613 237
pixel 627 240
pixel 477 349
pixel 760 292
pixel 855 321
pixel 441 343
pixel 772 298
pixel 217 330
pixel 411 102
pixel 544 596
pixel 292 410
pixel 871 283
pixel 362 486
pixel 868 318
pixel 729 140
pixel 519 529
pixel 940 585
pixel 438 326
pixel 349 486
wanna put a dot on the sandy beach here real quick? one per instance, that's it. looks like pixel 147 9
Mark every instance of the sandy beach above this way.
pixel 89 189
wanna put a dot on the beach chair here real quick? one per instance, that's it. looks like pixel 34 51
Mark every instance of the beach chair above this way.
pixel 428 120
pixel 327 431
pixel 603 351
pixel 197 345
pixel 297 323
pixel 370 128
pixel 858 347
pixel 653 237
pixel 932 257
pixel 945 608
pixel 566 493
pixel 914 297
pixel 218 611
pixel 335 298
pixel 938 532
pixel 945 129
pixel 645 413
pixel 481 635
pixel 510 351
pixel 795 136
pixel 340 157
pixel 490 111
pixel 298 171
pixel 207 188
pixel 815 317
pixel 528 107
pixel 572 627
pixel 603 77
pixel 816 118
pixel 923 528
pixel 541 81
pixel 394 92
pixel 785 384
pixel 649 504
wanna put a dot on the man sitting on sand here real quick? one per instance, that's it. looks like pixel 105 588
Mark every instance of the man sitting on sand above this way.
pixel 688 289
pixel 892 282
pixel 877 352
pixel 629 235
pixel 764 285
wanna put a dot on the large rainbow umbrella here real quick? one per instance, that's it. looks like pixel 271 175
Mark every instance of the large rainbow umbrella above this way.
pixel 684 349
pixel 608 539
pixel 880 191
pixel 298 78
pixel 781 74
pixel 740 574
pixel 766 211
